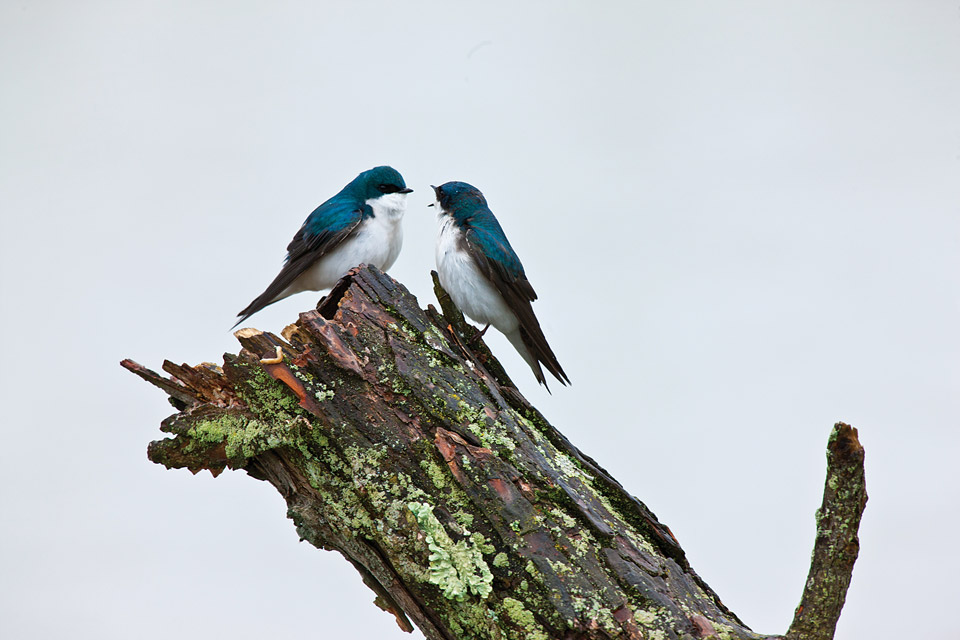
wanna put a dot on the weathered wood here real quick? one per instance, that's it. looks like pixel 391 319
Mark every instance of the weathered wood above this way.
pixel 837 545
pixel 397 439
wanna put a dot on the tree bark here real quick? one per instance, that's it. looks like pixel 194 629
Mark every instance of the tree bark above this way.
pixel 398 440
pixel 837 545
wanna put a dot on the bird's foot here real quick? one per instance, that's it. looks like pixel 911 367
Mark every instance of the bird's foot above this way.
pixel 476 337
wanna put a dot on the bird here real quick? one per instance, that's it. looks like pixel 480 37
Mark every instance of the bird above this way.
pixel 359 225
pixel 484 277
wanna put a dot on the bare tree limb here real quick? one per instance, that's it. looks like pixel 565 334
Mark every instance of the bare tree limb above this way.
pixel 837 544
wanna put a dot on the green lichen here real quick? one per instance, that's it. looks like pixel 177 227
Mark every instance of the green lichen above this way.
pixel 480 542
pixel 243 438
pixel 217 430
pixel 457 568
pixel 464 518
pixel 645 617
pixel 323 393
pixel 435 341
pixel 592 607
pixel 269 399
pixel 492 435
pixel 637 540
pixel 560 568
pixel 434 472
pixel 724 631
pixel 564 518
pixel 500 560
pixel 567 466
pixel 523 619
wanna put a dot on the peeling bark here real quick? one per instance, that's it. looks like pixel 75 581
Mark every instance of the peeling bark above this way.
pixel 398 440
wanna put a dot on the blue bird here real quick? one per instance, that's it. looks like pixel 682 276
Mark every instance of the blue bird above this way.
pixel 484 277
pixel 359 225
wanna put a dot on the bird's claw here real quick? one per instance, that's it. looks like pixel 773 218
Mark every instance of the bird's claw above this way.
pixel 476 337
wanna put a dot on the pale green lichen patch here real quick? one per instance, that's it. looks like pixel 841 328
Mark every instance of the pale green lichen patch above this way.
pixel 436 474
pixel 647 617
pixel 243 438
pixel 323 393
pixel 531 429
pixel 436 341
pixel 216 430
pixel 492 434
pixel 268 398
pixel 636 539
pixel 480 542
pixel 724 631
pixel 833 482
pixel 569 467
pixel 464 518
pixel 523 619
pixel 584 542
pixel 565 519
pixel 592 608
pixel 644 617
pixel 500 560
pixel 457 568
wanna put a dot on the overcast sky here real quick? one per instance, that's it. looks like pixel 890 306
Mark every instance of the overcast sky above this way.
pixel 742 218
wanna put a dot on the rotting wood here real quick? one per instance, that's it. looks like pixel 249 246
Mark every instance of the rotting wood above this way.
pixel 837 543
pixel 397 439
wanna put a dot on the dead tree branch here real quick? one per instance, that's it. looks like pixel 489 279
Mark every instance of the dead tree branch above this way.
pixel 837 544
pixel 399 441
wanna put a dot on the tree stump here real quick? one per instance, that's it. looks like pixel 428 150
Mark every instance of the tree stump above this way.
pixel 398 440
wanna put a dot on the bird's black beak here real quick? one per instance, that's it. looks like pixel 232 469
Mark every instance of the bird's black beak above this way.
pixel 436 192
pixel 405 190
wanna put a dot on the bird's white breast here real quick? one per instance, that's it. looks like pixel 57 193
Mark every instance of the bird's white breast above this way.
pixel 467 286
pixel 376 241
pixel 384 230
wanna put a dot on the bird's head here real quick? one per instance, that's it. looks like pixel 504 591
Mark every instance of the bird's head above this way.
pixel 459 199
pixel 378 182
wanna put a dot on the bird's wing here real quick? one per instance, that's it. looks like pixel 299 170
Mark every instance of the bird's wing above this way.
pixel 329 225
pixel 500 264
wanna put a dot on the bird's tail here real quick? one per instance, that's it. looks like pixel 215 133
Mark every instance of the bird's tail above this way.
pixel 262 301
pixel 258 303
pixel 536 350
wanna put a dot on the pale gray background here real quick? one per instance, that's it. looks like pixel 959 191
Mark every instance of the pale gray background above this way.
pixel 742 219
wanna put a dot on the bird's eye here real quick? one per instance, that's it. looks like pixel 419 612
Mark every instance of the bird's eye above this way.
pixel 388 188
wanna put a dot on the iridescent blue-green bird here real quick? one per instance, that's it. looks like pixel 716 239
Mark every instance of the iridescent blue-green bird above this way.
pixel 359 225
pixel 484 277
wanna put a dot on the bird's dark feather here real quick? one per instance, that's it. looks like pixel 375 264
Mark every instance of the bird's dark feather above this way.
pixel 303 251
pixel 518 293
